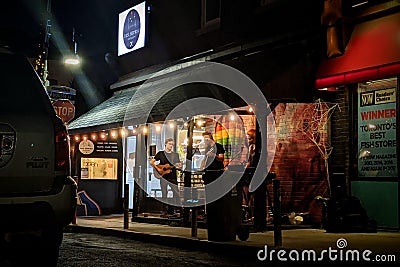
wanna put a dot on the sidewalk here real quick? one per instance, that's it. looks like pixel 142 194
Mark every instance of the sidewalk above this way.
pixel 382 242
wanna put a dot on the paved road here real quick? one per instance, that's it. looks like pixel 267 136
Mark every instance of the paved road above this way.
pixel 86 250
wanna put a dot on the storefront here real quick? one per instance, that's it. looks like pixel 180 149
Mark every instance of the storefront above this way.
pixel 365 83
pixel 105 138
pixel 297 160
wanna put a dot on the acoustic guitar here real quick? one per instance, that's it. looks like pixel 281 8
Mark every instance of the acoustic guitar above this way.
pixel 160 170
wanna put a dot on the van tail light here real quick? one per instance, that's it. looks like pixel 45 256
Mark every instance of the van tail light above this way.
pixel 62 149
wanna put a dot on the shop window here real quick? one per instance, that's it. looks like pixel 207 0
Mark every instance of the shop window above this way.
pixel 130 153
pixel 376 131
pixel 157 134
pixel 99 168
pixel 198 147
pixel 228 130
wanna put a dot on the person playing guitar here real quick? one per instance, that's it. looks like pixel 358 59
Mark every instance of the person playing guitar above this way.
pixel 168 162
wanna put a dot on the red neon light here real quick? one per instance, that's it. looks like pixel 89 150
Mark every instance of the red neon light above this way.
pixel 359 76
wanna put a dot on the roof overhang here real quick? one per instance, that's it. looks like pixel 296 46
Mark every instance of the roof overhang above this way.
pixel 373 52
pixel 143 104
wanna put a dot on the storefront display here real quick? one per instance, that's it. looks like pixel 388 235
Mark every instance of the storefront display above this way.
pixel 377 129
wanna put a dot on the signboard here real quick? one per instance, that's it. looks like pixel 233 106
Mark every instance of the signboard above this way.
pixel 86 147
pixel 377 132
pixel 107 147
pixel 64 109
pixel 132 29
pixel 61 92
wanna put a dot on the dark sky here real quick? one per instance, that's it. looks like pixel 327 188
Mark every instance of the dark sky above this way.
pixel 94 20
pixel 22 27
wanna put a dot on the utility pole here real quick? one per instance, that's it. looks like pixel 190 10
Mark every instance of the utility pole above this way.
pixel 74 59
pixel 41 62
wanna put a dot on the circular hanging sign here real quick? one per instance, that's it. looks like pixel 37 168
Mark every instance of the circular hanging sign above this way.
pixel 131 29
pixel 86 147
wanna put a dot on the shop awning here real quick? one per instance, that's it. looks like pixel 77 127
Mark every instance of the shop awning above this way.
pixel 373 52
pixel 112 112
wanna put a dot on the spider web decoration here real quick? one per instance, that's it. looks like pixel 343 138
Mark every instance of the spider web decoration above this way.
pixel 314 125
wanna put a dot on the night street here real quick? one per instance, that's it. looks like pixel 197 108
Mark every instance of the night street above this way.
pixel 199 133
pixel 86 250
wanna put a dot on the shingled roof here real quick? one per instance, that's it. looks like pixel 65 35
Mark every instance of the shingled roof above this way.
pixel 157 98
pixel 109 114
pixel 112 112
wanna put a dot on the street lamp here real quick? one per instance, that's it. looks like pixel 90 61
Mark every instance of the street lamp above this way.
pixel 74 59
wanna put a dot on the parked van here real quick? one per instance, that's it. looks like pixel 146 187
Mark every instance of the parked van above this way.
pixel 37 194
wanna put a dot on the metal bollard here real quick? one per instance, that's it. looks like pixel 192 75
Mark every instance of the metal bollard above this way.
pixel 126 206
pixel 277 214
pixel 194 222
pixel 74 218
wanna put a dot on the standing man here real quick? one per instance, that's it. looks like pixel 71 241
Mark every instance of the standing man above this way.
pixel 213 166
pixel 248 198
pixel 253 156
pixel 213 162
pixel 259 197
pixel 168 161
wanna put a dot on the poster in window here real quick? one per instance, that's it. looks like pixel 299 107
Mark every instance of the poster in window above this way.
pixel 99 168
pixel 377 131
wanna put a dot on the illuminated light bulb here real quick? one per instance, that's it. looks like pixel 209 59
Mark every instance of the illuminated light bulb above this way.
pixel 158 128
pixel 76 137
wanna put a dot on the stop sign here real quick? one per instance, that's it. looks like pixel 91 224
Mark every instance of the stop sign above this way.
pixel 64 109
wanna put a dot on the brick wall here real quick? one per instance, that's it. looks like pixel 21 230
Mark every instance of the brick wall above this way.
pixel 298 163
